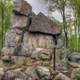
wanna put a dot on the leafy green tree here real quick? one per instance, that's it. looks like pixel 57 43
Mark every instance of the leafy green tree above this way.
pixel 60 5
pixel 5 18
pixel 75 4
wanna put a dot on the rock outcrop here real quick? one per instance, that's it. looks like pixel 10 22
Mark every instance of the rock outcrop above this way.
pixel 28 45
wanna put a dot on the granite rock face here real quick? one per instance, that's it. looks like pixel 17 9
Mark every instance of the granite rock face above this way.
pixel 38 46
pixel 22 7
pixel 26 48
pixel 12 38
pixel 42 24
pixel 20 22
pixel 24 40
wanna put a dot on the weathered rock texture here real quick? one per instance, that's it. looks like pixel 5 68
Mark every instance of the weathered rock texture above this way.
pixel 42 24
pixel 22 7
pixel 30 36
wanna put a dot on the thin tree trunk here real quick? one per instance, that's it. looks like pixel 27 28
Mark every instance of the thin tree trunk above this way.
pixel 2 22
pixel 64 25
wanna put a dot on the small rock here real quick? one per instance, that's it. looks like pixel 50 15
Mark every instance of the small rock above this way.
pixel 6 59
pixel 13 75
pixel 61 76
pixel 30 73
pixel 9 75
pixel 74 64
pixel 18 79
pixel 60 43
pixel 43 73
pixel 7 53
pixel 1 73
pixel 40 53
pixel 34 75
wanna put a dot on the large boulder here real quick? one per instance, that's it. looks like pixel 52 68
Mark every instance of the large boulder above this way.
pixel 74 57
pixel 42 24
pixel 37 45
pixel 20 22
pixel 22 7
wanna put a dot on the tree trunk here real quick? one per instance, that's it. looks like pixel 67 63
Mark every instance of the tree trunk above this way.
pixel 65 25
pixel 2 23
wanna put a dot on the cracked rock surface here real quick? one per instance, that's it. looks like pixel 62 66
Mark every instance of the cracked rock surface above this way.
pixel 28 45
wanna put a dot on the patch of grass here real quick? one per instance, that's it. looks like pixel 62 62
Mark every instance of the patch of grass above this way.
pixel 77 74
pixel 74 43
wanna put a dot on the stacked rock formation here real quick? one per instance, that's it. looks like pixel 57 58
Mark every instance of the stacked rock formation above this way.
pixel 28 43
pixel 20 24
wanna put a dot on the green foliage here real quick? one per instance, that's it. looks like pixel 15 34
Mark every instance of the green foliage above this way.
pixel 74 43
pixel 5 18
pixel 77 74
pixel 76 7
